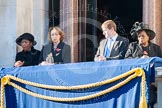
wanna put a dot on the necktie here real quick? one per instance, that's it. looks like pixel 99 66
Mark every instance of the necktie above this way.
pixel 108 48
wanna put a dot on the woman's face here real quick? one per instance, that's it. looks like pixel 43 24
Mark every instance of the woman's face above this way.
pixel 143 38
pixel 26 45
pixel 55 36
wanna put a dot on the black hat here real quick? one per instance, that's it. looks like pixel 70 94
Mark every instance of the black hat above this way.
pixel 138 27
pixel 27 36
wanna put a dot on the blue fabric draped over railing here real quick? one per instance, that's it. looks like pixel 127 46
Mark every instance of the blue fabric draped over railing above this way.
pixel 128 96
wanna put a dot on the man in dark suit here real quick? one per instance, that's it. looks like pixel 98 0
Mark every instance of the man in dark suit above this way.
pixel 113 46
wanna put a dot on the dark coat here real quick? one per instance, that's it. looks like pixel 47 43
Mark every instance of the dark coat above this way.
pixel 135 50
pixel 118 50
pixel 60 55
pixel 29 58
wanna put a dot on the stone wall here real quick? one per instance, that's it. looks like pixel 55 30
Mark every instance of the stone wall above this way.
pixel 17 17
pixel 152 15
pixel 7 32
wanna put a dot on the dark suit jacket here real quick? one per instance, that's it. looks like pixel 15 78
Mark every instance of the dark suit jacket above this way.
pixel 60 55
pixel 136 51
pixel 118 50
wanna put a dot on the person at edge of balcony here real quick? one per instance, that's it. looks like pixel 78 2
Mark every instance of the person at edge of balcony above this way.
pixel 29 56
pixel 113 46
pixel 56 51
pixel 144 48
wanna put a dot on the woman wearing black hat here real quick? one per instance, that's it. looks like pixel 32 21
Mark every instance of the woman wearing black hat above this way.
pixel 28 56
pixel 143 48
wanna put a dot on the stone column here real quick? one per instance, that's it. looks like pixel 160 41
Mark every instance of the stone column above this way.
pixel 32 17
pixel 152 15
pixel 69 24
pixel 158 82
pixel 41 21
pixel 158 21
pixel 17 17
pixel 7 32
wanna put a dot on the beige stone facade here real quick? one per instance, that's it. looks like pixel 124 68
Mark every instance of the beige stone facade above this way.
pixel 17 17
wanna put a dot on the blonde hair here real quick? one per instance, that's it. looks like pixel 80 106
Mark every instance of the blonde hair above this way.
pixel 109 24
pixel 61 33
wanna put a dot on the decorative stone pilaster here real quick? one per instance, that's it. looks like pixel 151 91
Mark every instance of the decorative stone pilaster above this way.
pixel 17 17
pixel 152 15
pixel 7 32
pixel 158 21
pixel 69 24
pixel 32 17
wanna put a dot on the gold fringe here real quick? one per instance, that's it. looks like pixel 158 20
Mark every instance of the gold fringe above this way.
pixel 143 103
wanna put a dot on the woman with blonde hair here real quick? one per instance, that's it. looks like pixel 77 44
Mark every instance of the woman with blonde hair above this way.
pixel 56 51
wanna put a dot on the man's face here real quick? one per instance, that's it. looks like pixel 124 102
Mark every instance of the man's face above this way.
pixel 107 32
